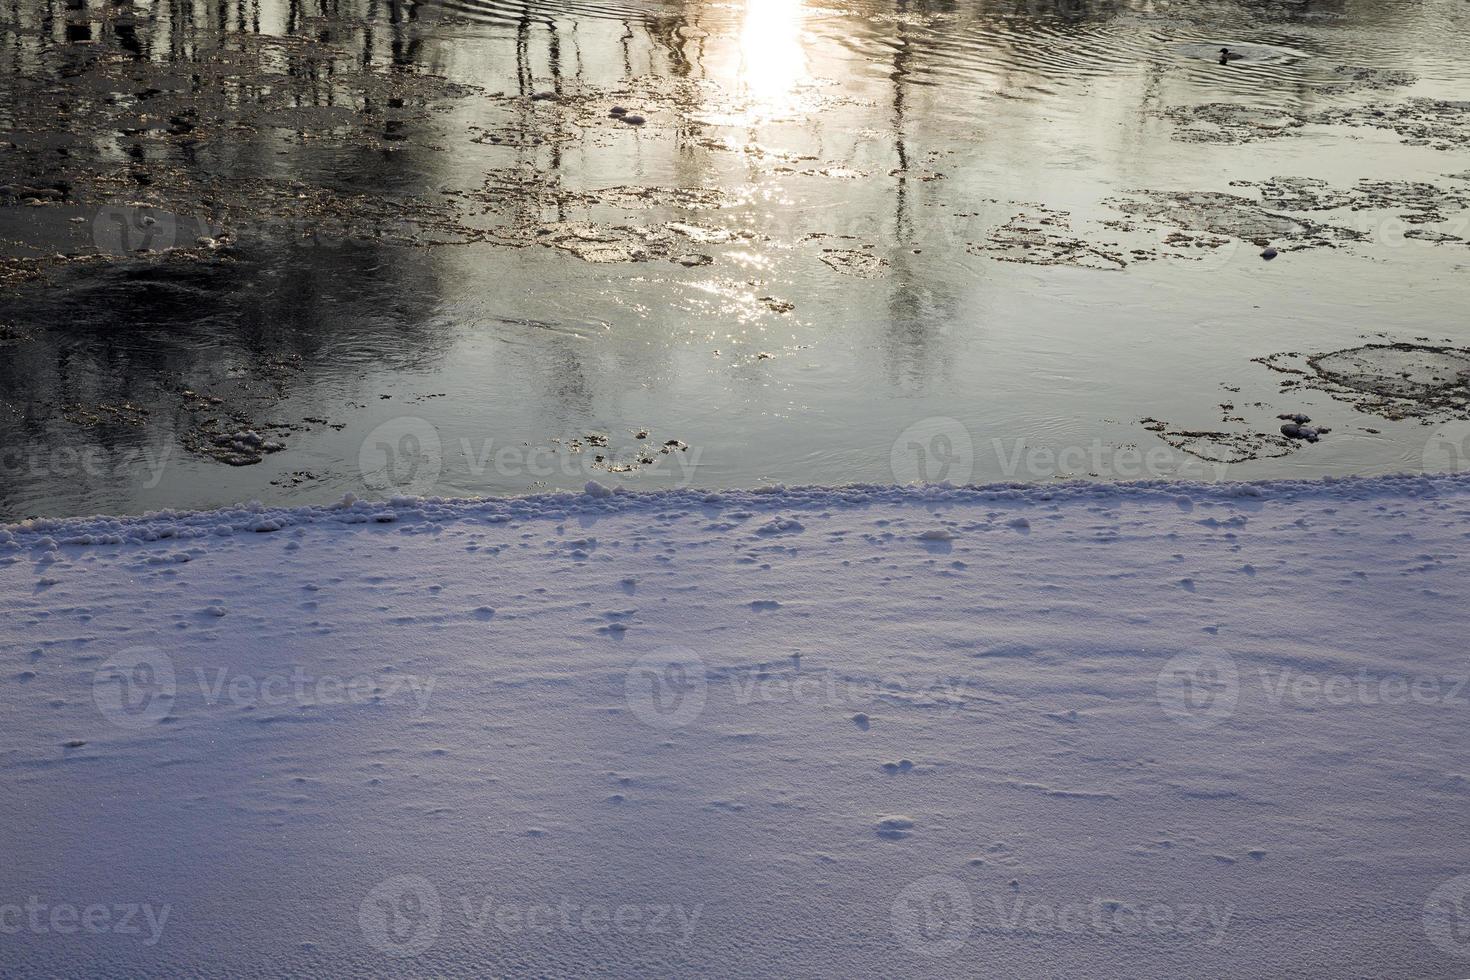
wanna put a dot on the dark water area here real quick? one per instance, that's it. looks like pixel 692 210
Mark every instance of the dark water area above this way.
pixel 287 251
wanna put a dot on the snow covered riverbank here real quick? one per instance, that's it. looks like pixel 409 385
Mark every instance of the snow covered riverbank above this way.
pixel 1152 730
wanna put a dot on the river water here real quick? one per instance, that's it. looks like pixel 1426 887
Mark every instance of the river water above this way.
pixel 286 251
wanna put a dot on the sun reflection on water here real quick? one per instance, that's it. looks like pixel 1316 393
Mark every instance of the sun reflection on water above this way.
pixel 772 58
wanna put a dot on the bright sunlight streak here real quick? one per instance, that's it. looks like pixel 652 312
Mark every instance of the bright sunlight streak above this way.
pixel 772 60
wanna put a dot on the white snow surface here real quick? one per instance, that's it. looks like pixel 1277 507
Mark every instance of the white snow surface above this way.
pixel 1150 730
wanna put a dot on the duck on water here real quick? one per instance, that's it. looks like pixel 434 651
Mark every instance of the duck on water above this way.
pixel 1227 56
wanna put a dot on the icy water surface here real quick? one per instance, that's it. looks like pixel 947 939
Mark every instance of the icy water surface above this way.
pixel 286 251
